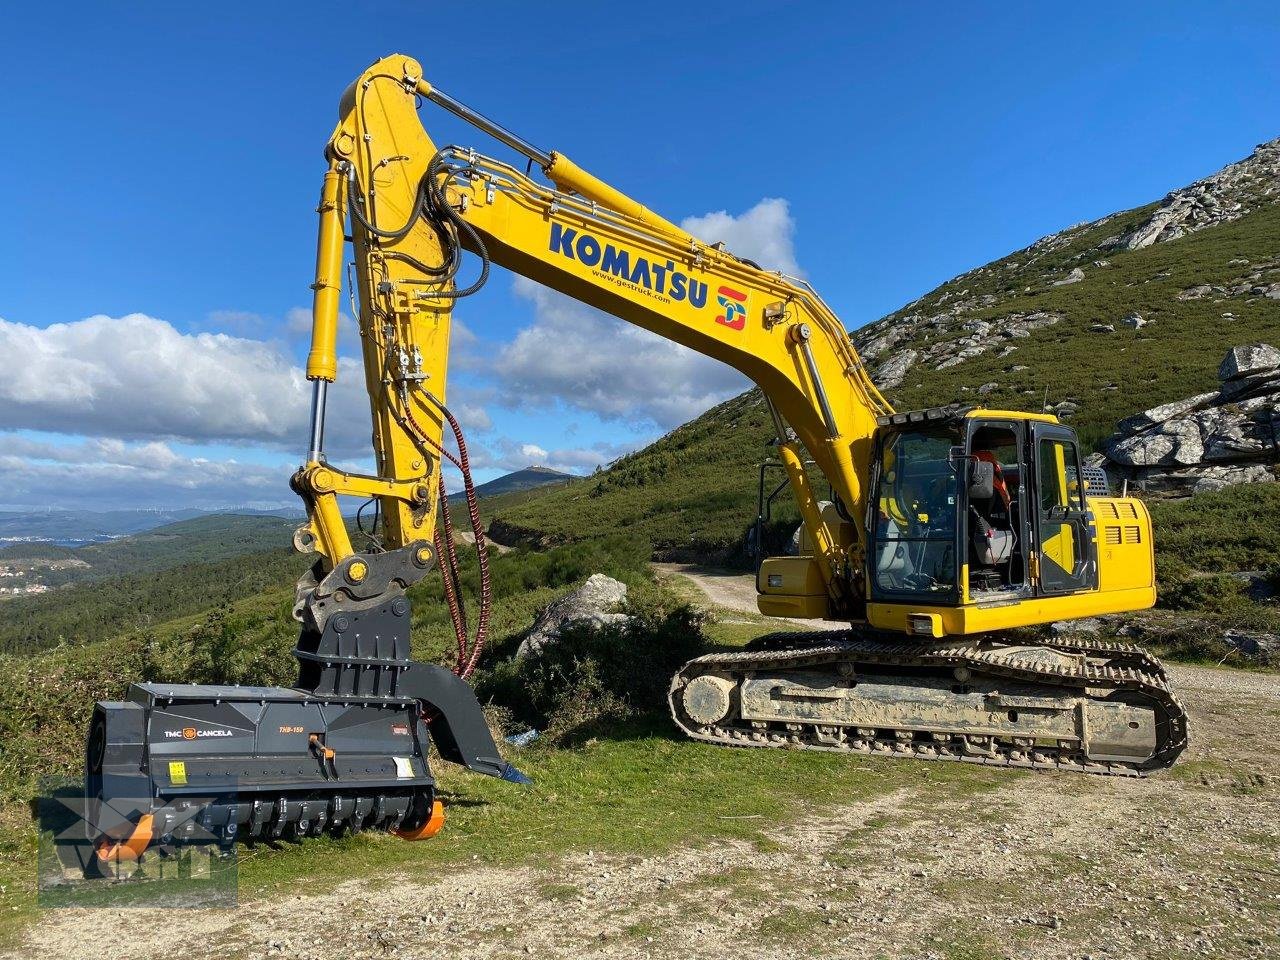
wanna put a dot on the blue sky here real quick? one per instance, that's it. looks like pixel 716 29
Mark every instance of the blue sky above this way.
pixel 164 162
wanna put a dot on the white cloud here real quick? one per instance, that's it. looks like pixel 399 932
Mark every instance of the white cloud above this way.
pixel 583 460
pixel 505 455
pixel 108 473
pixel 297 323
pixel 578 357
pixel 533 452
pixel 129 388
pixel 137 377
pixel 765 234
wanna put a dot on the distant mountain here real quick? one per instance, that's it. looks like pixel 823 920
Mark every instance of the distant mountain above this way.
pixel 526 479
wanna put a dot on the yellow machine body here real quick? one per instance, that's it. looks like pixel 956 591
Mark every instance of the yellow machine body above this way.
pixel 588 240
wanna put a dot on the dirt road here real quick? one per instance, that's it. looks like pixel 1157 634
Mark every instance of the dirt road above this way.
pixel 726 590
pixel 1040 866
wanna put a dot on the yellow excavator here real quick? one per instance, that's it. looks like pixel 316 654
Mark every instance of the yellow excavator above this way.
pixel 944 529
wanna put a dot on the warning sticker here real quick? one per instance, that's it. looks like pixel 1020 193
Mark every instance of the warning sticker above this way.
pixel 178 773
pixel 404 767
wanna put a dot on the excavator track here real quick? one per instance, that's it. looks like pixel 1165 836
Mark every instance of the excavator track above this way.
pixel 1078 705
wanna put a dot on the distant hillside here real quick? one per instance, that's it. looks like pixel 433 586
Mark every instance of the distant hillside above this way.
pixel 1097 322
pixel 204 538
pixel 142 595
pixel 74 528
pixel 526 479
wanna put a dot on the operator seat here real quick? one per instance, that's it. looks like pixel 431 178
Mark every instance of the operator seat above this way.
pixel 992 536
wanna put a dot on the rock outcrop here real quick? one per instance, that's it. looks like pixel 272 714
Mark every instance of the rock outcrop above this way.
pixel 1228 195
pixel 1208 441
pixel 1260 279
pixel 594 603
pixel 961 321
pixel 977 336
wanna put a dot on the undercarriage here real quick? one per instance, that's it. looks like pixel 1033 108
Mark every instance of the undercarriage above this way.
pixel 1085 706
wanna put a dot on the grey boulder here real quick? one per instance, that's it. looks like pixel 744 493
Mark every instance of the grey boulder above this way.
pixel 1247 360
pixel 595 603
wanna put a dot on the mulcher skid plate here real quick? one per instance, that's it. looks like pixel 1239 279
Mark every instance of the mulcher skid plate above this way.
pixel 1084 706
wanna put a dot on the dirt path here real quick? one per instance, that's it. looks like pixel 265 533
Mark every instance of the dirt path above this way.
pixel 1038 866
pixel 727 589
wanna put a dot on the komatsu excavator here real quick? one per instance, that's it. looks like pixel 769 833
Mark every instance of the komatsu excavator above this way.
pixel 945 528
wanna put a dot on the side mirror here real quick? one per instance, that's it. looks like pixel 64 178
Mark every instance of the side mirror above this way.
pixel 982 480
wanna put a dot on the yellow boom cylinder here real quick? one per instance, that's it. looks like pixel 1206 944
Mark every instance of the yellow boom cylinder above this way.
pixel 322 361
pixel 567 175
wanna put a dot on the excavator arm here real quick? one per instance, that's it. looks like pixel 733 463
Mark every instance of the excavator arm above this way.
pixel 413 206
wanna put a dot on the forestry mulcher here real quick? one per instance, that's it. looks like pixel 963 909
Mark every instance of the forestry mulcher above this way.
pixel 945 529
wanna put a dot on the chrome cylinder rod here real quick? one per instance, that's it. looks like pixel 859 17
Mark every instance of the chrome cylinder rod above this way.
pixel 801 335
pixel 319 396
pixel 478 120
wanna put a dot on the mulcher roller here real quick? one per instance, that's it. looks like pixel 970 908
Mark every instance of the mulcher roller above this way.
pixel 1089 706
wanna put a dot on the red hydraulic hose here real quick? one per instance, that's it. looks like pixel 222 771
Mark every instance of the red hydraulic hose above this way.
pixel 468 650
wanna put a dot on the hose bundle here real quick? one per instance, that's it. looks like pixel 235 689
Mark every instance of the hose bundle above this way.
pixel 469 648
pixel 432 207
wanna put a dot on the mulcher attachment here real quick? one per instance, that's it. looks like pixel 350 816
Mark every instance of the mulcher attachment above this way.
pixel 344 750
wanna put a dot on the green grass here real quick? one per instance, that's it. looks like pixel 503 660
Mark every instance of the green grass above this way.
pixel 638 790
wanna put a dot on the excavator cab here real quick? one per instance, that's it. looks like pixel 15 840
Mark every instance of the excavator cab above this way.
pixel 978 511
pixel 976 521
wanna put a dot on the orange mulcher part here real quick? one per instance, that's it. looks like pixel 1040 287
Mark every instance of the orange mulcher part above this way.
pixel 428 829
pixel 130 849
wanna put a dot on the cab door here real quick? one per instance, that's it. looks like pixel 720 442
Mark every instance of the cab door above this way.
pixel 1065 551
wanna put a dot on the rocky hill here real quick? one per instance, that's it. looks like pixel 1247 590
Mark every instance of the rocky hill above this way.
pixel 1097 323
pixel 1102 319
pixel 1209 441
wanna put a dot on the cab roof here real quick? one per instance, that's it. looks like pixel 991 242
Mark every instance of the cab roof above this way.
pixel 955 411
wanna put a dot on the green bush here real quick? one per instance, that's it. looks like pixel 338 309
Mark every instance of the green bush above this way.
pixel 591 676
pixel 222 649
pixel 1220 593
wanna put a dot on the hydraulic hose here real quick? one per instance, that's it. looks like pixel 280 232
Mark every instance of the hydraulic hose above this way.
pixel 469 650
pixel 452 586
